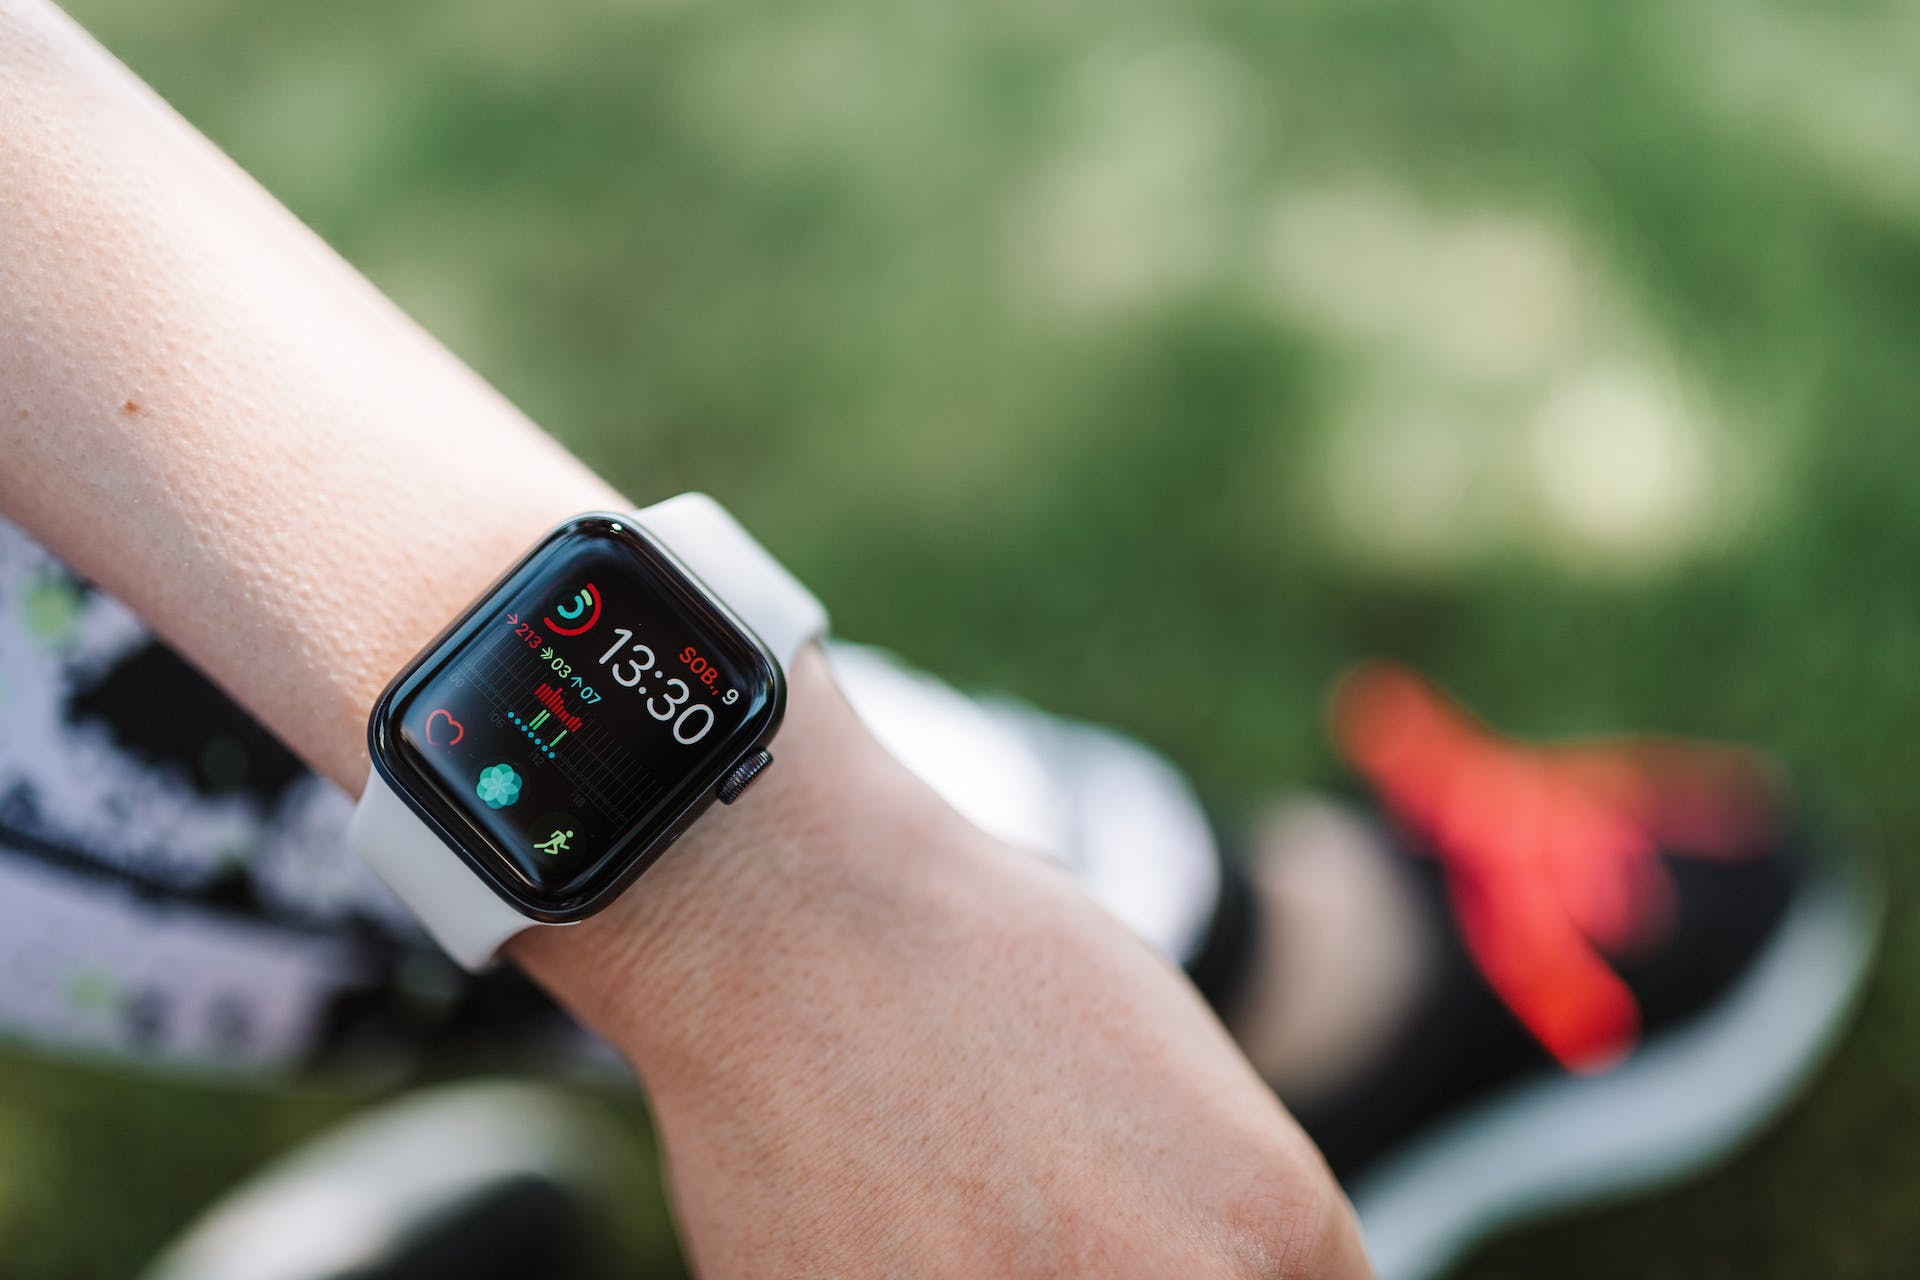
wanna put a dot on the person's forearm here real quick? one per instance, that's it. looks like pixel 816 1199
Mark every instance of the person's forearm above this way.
pixel 207 413
pixel 878 1042
pixel 211 417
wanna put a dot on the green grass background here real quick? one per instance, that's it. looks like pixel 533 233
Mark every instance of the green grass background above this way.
pixel 1566 350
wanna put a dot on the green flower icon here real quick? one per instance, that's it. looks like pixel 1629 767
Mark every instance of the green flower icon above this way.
pixel 499 786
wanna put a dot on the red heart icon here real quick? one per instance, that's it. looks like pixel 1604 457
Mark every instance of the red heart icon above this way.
pixel 459 730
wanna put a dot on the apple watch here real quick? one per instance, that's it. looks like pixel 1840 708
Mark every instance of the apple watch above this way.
pixel 551 743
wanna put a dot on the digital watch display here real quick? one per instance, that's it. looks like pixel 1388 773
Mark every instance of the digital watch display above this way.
pixel 577 717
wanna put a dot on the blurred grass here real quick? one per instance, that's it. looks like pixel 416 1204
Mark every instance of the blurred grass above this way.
pixel 1564 350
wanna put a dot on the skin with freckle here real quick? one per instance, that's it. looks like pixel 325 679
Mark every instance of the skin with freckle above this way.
pixel 878 1043
pixel 254 413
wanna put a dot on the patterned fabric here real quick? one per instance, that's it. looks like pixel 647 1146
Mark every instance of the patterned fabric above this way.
pixel 173 883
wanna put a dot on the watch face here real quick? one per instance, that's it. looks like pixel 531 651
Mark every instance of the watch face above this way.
pixel 576 716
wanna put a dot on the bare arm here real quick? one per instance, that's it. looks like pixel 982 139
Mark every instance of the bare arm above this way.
pixel 877 1043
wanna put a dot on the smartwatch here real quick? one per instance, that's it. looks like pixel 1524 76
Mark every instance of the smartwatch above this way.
pixel 551 743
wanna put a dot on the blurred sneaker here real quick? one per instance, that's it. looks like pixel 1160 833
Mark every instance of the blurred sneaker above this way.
pixel 490 1181
pixel 1637 965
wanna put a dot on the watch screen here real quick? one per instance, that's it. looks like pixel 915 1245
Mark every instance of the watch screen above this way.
pixel 580 709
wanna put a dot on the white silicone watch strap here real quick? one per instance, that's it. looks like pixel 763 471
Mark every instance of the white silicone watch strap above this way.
pixel 465 916
pixel 737 571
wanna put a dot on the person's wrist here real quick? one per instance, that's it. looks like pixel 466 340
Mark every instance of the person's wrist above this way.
pixel 834 829
pixel 634 971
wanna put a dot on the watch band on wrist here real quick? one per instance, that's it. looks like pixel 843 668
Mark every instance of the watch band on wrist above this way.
pixel 462 912
pixel 737 570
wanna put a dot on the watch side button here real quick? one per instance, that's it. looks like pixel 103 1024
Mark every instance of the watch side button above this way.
pixel 743 773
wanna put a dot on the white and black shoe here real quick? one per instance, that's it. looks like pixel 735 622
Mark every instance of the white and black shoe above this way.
pixel 1642 957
